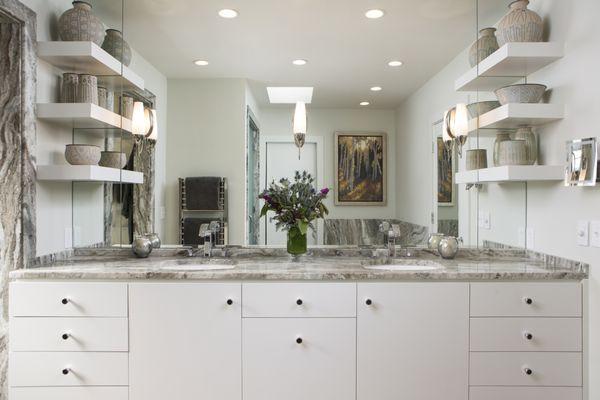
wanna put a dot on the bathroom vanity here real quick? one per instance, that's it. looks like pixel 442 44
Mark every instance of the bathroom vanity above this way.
pixel 321 329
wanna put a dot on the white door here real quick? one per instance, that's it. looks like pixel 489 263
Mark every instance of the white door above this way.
pixel 185 341
pixel 413 341
pixel 281 161
pixel 299 358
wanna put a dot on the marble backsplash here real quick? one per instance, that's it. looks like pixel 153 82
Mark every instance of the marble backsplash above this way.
pixel 364 232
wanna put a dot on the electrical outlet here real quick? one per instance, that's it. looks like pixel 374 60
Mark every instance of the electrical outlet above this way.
pixel 583 233
pixel 68 238
pixel 484 220
pixel 595 233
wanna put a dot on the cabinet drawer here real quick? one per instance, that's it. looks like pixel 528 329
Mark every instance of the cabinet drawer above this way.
pixel 76 299
pixel 525 393
pixel 321 367
pixel 543 299
pixel 69 393
pixel 83 369
pixel 508 369
pixel 526 334
pixel 68 334
pixel 299 300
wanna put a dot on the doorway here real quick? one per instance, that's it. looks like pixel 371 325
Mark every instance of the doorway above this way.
pixel 279 159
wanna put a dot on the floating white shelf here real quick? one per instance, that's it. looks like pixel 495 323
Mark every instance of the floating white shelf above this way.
pixel 508 65
pixel 512 173
pixel 512 116
pixel 87 173
pixel 82 115
pixel 89 58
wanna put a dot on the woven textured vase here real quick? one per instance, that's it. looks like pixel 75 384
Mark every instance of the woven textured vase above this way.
pixel 80 24
pixel 484 47
pixel 520 25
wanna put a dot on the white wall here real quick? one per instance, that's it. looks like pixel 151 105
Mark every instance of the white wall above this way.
pixel 206 130
pixel 325 122
pixel 552 210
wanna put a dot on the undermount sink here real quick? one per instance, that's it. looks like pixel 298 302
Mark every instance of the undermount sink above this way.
pixel 394 266
pixel 213 265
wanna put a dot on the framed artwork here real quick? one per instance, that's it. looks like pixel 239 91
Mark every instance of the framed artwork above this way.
pixel 445 165
pixel 360 166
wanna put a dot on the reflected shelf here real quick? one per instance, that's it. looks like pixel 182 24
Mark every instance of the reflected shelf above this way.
pixel 82 116
pixel 512 173
pixel 515 115
pixel 509 65
pixel 89 58
pixel 87 173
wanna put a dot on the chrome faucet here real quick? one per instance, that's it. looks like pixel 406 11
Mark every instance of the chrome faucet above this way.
pixel 209 233
pixel 391 233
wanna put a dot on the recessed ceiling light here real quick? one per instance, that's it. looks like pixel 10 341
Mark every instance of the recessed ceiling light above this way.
pixel 201 63
pixel 299 62
pixel 228 13
pixel 376 89
pixel 395 63
pixel 364 103
pixel 374 14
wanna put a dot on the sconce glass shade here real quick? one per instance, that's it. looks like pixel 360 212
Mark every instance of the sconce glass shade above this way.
pixel 138 120
pixel 154 133
pixel 300 118
pixel 446 129
pixel 461 121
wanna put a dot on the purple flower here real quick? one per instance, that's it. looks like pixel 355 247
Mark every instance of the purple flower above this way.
pixel 324 191
pixel 267 198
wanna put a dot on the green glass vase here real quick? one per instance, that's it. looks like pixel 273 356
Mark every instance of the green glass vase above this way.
pixel 296 242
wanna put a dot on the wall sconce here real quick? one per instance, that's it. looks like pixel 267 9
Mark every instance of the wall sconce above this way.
pixel 456 127
pixel 143 121
pixel 300 125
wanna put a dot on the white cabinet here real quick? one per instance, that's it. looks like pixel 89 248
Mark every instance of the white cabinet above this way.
pixel 185 341
pixel 299 358
pixel 413 341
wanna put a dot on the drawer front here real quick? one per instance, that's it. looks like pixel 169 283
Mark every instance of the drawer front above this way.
pixel 508 369
pixel 542 299
pixel 299 300
pixel 526 334
pixel 525 393
pixel 321 367
pixel 68 334
pixel 76 299
pixel 69 393
pixel 83 369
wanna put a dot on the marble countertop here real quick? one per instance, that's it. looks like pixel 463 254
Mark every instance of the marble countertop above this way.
pixel 335 264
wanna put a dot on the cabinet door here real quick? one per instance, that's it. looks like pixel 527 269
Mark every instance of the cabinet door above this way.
pixel 185 341
pixel 299 358
pixel 413 341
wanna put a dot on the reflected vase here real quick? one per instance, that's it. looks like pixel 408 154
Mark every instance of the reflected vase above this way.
pixel 484 47
pixel 296 241
pixel 531 144
pixel 500 137
pixel 116 46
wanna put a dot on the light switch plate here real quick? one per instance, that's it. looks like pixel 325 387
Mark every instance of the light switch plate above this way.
pixel 595 233
pixel 484 220
pixel 583 233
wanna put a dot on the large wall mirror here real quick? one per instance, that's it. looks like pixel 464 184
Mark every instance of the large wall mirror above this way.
pixel 375 133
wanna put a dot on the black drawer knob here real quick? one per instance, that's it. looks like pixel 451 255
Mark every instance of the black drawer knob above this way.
pixel 65 336
pixel 527 371
pixel 65 371
pixel 528 336
pixel 229 302
pixel 528 300
pixel 299 340
pixel 299 302
pixel 65 301
pixel 369 302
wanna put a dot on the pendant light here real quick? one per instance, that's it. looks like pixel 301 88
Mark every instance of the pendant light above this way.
pixel 300 125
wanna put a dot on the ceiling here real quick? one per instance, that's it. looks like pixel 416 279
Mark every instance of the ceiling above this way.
pixel 346 52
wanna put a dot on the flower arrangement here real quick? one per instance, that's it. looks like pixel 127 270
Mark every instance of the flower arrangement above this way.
pixel 296 205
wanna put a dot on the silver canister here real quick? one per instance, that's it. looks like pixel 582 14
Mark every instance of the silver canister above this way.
pixel 448 247
pixel 127 106
pixel 68 92
pixel 102 96
pixel 87 89
pixel 141 247
pixel 434 241
pixel 154 239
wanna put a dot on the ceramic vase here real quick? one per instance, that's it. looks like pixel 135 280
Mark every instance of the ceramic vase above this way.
pixel 484 47
pixel 520 25
pixel 531 144
pixel 116 46
pixel 68 92
pixel 102 96
pixel 512 152
pixel 500 137
pixel 87 89
pixel 80 24
pixel 476 159
pixel 127 106
pixel 296 242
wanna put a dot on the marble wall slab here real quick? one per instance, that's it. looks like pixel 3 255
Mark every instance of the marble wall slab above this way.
pixel 448 227
pixel 366 232
pixel 18 65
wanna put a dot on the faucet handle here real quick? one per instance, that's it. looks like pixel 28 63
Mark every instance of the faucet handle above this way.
pixel 215 226
pixel 396 230
pixel 384 227
pixel 204 228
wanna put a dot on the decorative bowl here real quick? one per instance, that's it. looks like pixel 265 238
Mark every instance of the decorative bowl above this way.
pixel 523 93
pixel 82 154
pixel 480 108
pixel 113 159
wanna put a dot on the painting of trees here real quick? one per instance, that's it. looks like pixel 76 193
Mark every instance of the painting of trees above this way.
pixel 361 168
